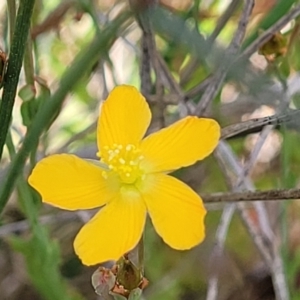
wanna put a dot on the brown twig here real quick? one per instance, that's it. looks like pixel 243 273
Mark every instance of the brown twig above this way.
pixel 233 49
pixel 185 74
pixel 246 196
pixel 257 123
pixel 53 20
pixel 222 21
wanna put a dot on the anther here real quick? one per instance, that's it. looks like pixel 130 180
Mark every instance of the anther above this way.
pixel 123 160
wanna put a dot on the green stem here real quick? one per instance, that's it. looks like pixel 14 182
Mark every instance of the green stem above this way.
pixel 141 252
pixel 23 189
pixel 10 146
pixel 11 12
pixel 14 66
pixel 83 63
pixel 28 64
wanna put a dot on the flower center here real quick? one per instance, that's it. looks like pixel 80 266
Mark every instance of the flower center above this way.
pixel 123 160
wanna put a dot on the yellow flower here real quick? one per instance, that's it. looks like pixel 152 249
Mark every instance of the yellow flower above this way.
pixel 130 179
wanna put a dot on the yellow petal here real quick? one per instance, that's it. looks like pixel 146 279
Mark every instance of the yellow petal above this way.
pixel 124 117
pixel 113 231
pixel 181 144
pixel 177 212
pixel 69 182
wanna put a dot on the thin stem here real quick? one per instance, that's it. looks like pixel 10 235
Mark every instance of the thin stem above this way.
pixel 28 64
pixel 219 77
pixel 11 12
pixel 11 77
pixel 246 196
pixel 257 124
pixel 222 21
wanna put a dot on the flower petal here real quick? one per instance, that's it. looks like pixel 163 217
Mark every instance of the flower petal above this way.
pixel 113 231
pixel 124 117
pixel 181 144
pixel 69 182
pixel 177 212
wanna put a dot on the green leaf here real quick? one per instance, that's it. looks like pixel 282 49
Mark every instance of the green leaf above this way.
pixel 42 263
pixel 27 92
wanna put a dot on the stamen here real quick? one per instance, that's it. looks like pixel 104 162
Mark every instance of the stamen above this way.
pixel 124 160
